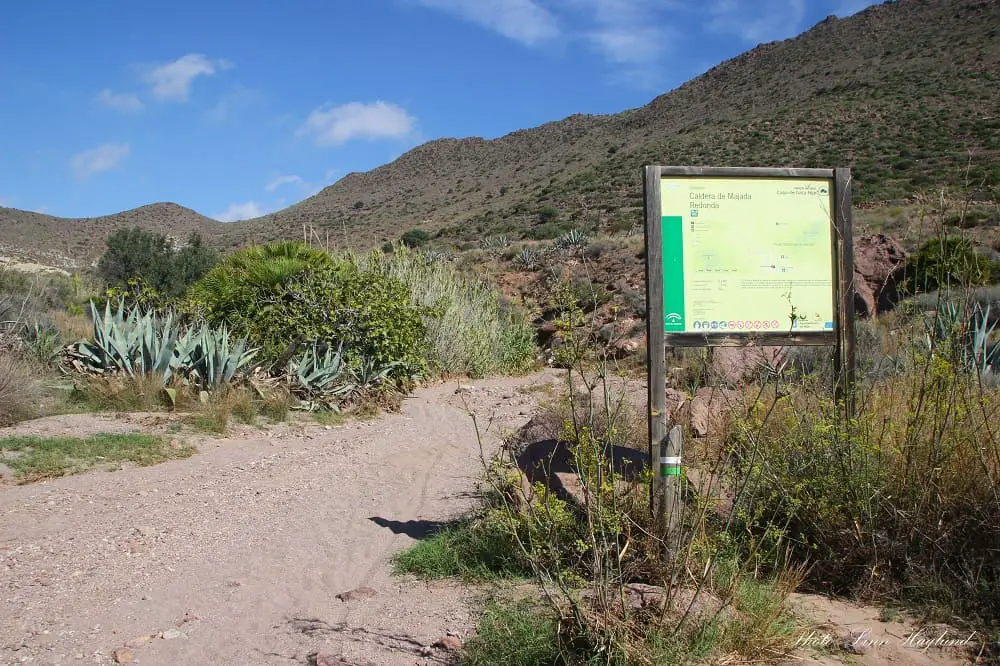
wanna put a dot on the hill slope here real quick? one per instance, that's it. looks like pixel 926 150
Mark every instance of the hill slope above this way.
pixel 902 92
pixel 905 92
pixel 76 242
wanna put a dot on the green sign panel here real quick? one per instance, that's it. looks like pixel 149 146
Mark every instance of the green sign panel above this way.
pixel 747 255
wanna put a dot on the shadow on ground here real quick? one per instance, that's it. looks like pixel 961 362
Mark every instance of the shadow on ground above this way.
pixel 415 529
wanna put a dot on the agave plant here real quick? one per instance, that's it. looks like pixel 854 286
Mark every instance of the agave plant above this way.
pixel 528 259
pixel 572 240
pixel 132 343
pixel 321 378
pixel 494 243
pixel 43 341
pixel 139 343
pixel 983 353
pixel 432 256
pixel 970 333
pixel 368 374
pixel 211 358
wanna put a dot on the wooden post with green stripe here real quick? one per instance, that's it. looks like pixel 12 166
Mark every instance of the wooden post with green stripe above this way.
pixel 671 484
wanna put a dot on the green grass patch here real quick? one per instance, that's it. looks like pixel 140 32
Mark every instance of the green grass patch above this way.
pixel 329 418
pixel 473 550
pixel 514 634
pixel 212 422
pixel 35 458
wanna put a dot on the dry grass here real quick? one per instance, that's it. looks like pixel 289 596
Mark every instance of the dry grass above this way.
pixel 121 393
pixel 20 390
pixel 900 502
pixel 71 327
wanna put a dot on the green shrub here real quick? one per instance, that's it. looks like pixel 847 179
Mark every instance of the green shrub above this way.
pixel 287 297
pixel 588 294
pixel 899 501
pixel 235 286
pixel 947 262
pixel 469 328
pixel 135 253
pixel 474 549
pixel 28 297
pixel 547 215
pixel 547 231
pixel 516 634
pixel 415 238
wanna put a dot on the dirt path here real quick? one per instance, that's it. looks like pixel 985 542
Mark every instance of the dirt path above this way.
pixel 237 555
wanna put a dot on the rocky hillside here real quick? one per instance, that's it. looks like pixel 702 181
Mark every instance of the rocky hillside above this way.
pixel 905 92
pixel 76 242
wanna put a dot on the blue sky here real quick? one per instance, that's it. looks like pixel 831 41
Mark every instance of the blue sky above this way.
pixel 236 109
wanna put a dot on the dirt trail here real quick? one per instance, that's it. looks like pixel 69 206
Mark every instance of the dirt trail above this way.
pixel 237 555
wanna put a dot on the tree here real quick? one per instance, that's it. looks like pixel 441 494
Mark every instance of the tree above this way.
pixel 415 238
pixel 151 257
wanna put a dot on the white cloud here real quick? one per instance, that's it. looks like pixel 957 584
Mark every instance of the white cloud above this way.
pixel 524 21
pixel 172 81
pixel 241 211
pixel 278 181
pixel 238 98
pixel 300 186
pixel 5 202
pixel 104 157
pixel 332 126
pixel 626 32
pixel 760 22
pixel 628 44
pixel 630 35
pixel 124 102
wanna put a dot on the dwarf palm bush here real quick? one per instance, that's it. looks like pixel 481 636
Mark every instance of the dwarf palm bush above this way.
pixel 287 297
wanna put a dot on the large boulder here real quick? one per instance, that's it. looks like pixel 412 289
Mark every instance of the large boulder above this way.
pixel 736 365
pixel 712 408
pixel 544 458
pixel 878 269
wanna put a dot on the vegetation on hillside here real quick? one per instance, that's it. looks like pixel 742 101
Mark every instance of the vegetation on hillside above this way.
pixel 154 261
pixel 266 329
pixel 905 93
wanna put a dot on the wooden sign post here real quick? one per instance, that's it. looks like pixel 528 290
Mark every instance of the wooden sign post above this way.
pixel 738 257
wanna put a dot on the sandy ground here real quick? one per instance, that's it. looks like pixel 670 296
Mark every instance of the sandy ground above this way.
pixel 839 632
pixel 237 555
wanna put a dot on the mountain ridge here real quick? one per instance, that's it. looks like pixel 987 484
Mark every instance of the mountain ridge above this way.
pixel 900 92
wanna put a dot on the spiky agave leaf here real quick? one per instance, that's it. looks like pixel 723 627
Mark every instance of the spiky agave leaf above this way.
pixel 212 358
pixel 321 378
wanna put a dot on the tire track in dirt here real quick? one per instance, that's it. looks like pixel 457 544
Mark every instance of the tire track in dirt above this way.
pixel 238 553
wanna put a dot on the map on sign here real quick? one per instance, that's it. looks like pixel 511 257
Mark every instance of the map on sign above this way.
pixel 747 255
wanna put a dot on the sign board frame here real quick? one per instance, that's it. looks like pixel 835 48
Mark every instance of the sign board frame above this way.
pixel 842 272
